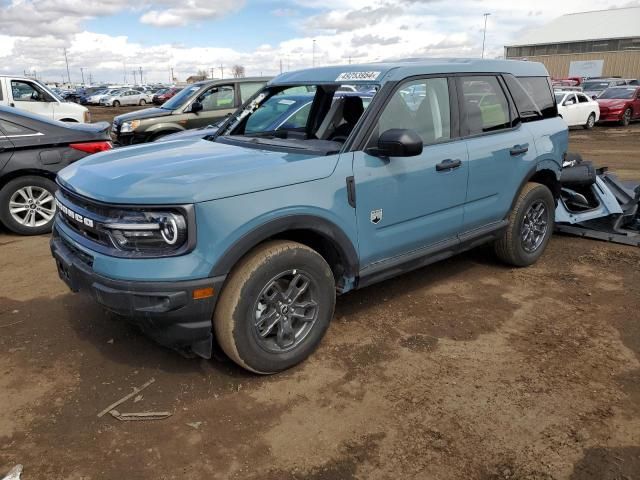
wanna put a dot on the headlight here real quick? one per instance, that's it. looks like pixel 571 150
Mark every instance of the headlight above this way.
pixel 128 127
pixel 152 232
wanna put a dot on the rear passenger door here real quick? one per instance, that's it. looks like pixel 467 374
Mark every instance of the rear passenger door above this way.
pixel 497 150
pixel 405 204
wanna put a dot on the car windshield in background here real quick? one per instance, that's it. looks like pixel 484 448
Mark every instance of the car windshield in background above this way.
pixel 180 98
pixel 591 86
pixel 622 93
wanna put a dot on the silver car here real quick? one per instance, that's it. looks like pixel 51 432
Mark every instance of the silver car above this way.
pixel 126 97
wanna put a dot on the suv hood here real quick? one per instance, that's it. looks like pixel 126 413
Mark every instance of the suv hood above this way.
pixel 142 114
pixel 188 171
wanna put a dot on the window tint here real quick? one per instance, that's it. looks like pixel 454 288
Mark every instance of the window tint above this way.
pixel 248 89
pixel 13 129
pixel 27 92
pixel 582 98
pixel 217 97
pixel 422 106
pixel 485 105
pixel 533 97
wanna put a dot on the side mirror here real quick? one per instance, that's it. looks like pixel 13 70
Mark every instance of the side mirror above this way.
pixel 399 142
pixel 196 107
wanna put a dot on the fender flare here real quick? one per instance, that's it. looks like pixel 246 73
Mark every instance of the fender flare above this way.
pixel 321 226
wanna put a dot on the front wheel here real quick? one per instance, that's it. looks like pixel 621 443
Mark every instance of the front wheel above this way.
pixel 27 205
pixel 591 121
pixel 275 307
pixel 530 227
pixel 626 118
pixel 142 102
pixel 116 104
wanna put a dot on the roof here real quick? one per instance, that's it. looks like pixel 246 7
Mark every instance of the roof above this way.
pixel 578 27
pixel 378 73
pixel 237 80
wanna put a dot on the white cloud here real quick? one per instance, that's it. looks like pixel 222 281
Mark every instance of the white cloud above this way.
pixel 360 30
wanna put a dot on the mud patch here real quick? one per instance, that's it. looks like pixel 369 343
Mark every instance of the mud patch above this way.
pixel 608 464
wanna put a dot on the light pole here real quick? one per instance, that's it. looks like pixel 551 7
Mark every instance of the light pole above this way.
pixel 484 35
pixel 82 73
pixel 314 53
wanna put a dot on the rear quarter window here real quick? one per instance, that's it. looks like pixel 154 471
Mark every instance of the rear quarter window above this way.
pixel 533 97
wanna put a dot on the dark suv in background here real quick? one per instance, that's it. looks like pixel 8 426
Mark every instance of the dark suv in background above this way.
pixel 195 106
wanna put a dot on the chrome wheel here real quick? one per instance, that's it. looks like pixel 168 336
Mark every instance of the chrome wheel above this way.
pixel 591 121
pixel 286 311
pixel 32 206
pixel 534 227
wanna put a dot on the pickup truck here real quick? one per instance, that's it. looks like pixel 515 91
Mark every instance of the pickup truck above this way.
pixel 31 95
pixel 246 236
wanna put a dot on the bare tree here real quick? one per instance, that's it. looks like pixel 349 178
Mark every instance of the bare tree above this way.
pixel 238 71
pixel 202 73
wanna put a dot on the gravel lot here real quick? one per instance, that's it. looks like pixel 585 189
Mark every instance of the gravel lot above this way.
pixel 462 370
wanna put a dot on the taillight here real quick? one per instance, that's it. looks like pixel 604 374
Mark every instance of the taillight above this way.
pixel 92 147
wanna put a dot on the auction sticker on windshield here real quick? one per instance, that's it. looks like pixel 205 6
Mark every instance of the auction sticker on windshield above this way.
pixel 357 76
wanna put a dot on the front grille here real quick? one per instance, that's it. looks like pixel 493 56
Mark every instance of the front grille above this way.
pixel 86 216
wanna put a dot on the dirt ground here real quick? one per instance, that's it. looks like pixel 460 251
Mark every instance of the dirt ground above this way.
pixel 462 370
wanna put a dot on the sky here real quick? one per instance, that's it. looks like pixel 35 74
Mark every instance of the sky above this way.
pixel 109 39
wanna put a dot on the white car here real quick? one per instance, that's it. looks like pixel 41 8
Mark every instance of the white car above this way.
pixel 126 97
pixel 577 109
pixel 31 95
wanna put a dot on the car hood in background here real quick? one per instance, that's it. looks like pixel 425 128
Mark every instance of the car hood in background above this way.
pixel 142 114
pixel 188 171
pixel 612 102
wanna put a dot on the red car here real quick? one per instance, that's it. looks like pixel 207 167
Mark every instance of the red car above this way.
pixel 620 104
pixel 162 96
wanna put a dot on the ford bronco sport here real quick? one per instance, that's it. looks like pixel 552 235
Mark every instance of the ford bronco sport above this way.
pixel 245 237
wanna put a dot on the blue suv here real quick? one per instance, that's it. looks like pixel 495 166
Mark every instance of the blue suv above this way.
pixel 246 236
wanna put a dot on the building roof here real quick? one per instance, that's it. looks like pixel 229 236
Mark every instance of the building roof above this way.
pixel 378 73
pixel 578 27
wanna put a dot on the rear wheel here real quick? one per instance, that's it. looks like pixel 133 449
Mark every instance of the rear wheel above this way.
pixel 626 118
pixel 142 102
pixel 530 227
pixel 27 205
pixel 591 121
pixel 275 307
pixel 116 103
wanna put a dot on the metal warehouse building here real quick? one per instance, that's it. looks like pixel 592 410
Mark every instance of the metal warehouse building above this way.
pixel 589 44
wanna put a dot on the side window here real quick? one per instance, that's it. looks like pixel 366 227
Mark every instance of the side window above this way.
pixel 11 129
pixel 419 105
pixel 27 92
pixel 571 100
pixel 537 97
pixel 486 108
pixel 217 98
pixel 248 89
pixel 582 98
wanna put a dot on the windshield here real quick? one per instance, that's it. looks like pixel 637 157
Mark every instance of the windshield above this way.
pixel 559 97
pixel 316 118
pixel 622 93
pixel 595 86
pixel 180 98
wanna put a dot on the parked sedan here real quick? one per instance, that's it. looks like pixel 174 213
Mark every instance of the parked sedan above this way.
pixel 163 95
pixel 32 150
pixel 126 97
pixel 577 109
pixel 620 104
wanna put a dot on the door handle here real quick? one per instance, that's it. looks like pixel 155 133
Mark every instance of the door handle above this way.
pixel 518 150
pixel 448 164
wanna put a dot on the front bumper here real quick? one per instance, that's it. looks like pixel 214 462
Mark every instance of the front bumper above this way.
pixel 127 138
pixel 166 311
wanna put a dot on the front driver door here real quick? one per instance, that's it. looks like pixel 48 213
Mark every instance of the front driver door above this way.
pixel 217 102
pixel 406 204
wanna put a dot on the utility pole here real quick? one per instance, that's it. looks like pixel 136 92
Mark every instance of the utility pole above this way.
pixel 82 73
pixel 124 64
pixel 288 63
pixel 211 73
pixel 280 65
pixel 171 70
pixel 134 77
pixel 313 62
pixel 141 81
pixel 484 35
pixel 90 79
pixel 67 62
pixel 221 71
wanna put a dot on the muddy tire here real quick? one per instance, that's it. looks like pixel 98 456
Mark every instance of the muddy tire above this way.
pixel 27 205
pixel 591 121
pixel 275 307
pixel 626 118
pixel 530 227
